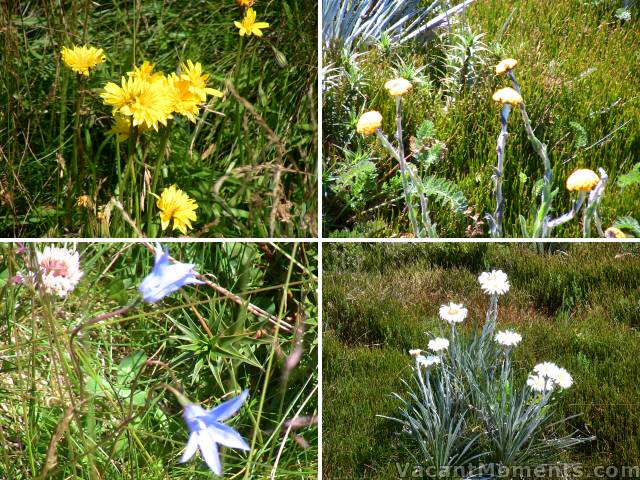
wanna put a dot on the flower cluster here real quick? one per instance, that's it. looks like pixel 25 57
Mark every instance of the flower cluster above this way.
pixel 145 98
pixel 494 282
pixel 59 270
pixel 547 376
pixel 507 94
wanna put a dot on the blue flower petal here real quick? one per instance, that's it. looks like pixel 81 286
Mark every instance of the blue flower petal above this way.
pixel 209 451
pixel 166 278
pixel 190 449
pixel 227 409
pixel 227 436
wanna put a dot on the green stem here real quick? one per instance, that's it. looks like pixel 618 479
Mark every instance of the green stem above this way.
pixel 157 171
pixel 285 291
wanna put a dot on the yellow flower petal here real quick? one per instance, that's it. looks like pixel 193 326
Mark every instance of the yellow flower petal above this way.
pixel 81 59
pixel 506 65
pixel 582 180
pixel 369 122
pixel 507 95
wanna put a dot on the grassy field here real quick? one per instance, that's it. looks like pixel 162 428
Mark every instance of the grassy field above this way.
pixel 249 160
pixel 579 74
pixel 576 305
pixel 103 410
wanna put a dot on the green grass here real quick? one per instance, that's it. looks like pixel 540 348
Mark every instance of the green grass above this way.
pixel 576 305
pixel 572 67
pixel 249 160
pixel 122 423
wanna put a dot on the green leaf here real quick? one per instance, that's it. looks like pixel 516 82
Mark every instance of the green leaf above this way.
pixel 631 178
pixel 445 192
pixel 628 223
pixel 580 134
pixel 130 366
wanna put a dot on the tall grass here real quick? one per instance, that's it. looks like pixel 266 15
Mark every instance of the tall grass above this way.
pixel 578 70
pixel 100 410
pixel 577 304
pixel 249 160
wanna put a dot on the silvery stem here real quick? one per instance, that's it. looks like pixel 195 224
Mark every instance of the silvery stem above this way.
pixel 575 208
pixel 405 187
pixel 426 221
pixel 595 196
pixel 541 150
pixel 496 220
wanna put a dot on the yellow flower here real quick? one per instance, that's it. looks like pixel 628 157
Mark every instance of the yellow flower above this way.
pixel 369 122
pixel 507 95
pixel 183 100
pixel 175 204
pixel 583 180
pixel 246 3
pixel 146 73
pixel 398 86
pixel 121 127
pixel 83 201
pixel 506 65
pixel 147 103
pixel 613 232
pixel 249 26
pixel 193 74
pixel 81 59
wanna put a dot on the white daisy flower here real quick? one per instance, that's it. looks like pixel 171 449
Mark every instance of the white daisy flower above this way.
pixel 59 269
pixel 415 352
pixel 453 313
pixel 546 369
pixel 438 344
pixel 508 338
pixel 428 361
pixel 540 383
pixel 563 378
pixel 494 282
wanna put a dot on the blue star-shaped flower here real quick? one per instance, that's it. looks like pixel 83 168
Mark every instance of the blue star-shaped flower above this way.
pixel 166 278
pixel 207 430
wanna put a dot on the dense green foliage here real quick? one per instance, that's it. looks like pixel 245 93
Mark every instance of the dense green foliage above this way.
pixel 121 423
pixel 578 70
pixel 575 304
pixel 249 160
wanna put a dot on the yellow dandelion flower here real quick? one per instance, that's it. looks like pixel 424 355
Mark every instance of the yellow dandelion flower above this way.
pixel 398 86
pixel 249 26
pixel 147 103
pixel 193 73
pixel 145 72
pixel 83 201
pixel 369 122
pixel 183 100
pixel 506 65
pixel 246 3
pixel 176 205
pixel 582 180
pixel 121 127
pixel 81 59
pixel 613 232
pixel 507 95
